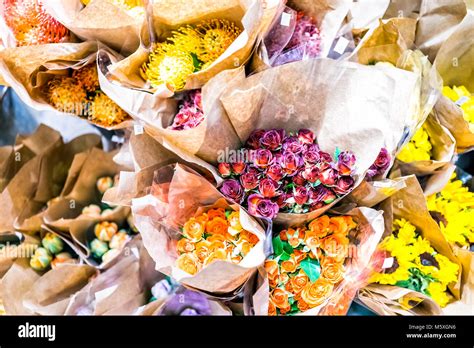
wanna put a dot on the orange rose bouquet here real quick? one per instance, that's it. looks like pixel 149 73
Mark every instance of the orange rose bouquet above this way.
pixel 317 267
pixel 196 236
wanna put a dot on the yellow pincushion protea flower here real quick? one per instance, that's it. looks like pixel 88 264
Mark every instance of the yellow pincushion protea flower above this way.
pixel 463 98
pixel 216 36
pixel 87 77
pixel 415 264
pixel 418 149
pixel 167 65
pixel 104 111
pixel 66 95
pixel 453 208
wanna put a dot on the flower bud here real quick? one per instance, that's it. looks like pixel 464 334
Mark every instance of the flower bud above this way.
pixel 105 230
pixel 52 243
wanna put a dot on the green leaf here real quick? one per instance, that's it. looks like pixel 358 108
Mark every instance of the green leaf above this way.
pixel 227 213
pixel 287 247
pixel 277 246
pixel 311 268
pixel 285 256
pixel 337 152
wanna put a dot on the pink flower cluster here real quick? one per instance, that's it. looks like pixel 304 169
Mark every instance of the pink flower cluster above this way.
pixel 286 173
pixel 304 43
pixel 190 113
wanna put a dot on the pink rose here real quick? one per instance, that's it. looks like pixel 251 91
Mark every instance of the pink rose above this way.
pixel 233 190
pixel 268 188
pixel 291 162
pixel 299 179
pixel 345 162
pixel 328 176
pixel 291 144
pixel 311 173
pixel 261 207
pixel 275 172
pixel 239 167
pixel 272 139
pixel 343 185
pixel 249 180
pixel 325 157
pixel 253 140
pixel 262 158
pixel 306 136
pixel 301 195
pixel 321 194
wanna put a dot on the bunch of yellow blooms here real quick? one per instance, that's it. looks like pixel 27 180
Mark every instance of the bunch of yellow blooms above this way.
pixel 453 209
pixel 461 96
pixel 415 264
pixel 189 49
pixel 418 149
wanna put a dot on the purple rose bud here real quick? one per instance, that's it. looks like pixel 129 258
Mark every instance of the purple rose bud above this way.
pixel 262 158
pixel 345 162
pixel 272 139
pixel 306 136
pixel 253 141
pixel 249 179
pixel 301 195
pixel 321 194
pixel 290 163
pixel 233 190
pixel 268 188
pixel 261 207
pixel 328 176
pixel 343 185
pixel 275 172
pixel 292 144
pixel 299 180
pixel 311 173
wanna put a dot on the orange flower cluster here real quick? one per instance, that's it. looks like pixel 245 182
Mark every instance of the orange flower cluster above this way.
pixel 308 262
pixel 30 23
pixel 215 235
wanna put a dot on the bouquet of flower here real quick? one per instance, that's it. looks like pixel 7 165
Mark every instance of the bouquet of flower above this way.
pixel 464 99
pixel 453 208
pixel 380 166
pixel 80 94
pixel 31 24
pixel 419 148
pixel 279 172
pixel 308 262
pixel 190 114
pixel 189 49
pixel 214 235
pixel 412 263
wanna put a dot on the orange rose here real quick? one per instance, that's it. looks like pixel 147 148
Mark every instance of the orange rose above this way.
pixel 320 226
pixel 217 226
pixel 188 263
pixel 252 238
pixel 283 311
pixel 316 293
pixel 236 258
pixel 216 238
pixel 284 278
pixel 214 256
pixel 273 272
pixel 184 245
pixel 332 270
pixel 283 235
pixel 311 239
pixel 245 247
pixel 290 265
pixel 234 222
pixel 338 224
pixel 203 218
pixel 295 236
pixel 279 298
pixel 302 306
pixel 216 245
pixel 299 255
pixel 271 309
pixel 218 212
pixel 335 244
pixel 299 282
pixel 193 229
pixel 202 250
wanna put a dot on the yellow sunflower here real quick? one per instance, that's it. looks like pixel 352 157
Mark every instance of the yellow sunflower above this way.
pixel 438 292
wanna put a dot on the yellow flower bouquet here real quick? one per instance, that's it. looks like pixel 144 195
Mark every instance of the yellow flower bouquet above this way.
pixel 412 263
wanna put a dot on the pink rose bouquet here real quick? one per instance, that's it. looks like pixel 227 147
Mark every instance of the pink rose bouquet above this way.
pixel 277 172
pixel 190 113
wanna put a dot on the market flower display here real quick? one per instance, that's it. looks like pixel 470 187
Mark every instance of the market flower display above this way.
pixel 190 114
pixel 307 264
pixel 214 235
pixel 414 264
pixel 30 23
pixel 80 93
pixel 453 210
pixel 464 99
pixel 418 149
pixel 286 173
pixel 189 49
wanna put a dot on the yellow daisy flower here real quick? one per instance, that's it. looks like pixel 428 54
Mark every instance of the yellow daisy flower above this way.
pixel 465 99
pixel 418 148
pixel 438 292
